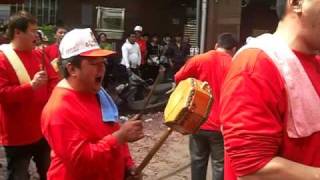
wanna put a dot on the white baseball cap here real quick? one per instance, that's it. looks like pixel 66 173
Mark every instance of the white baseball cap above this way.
pixel 138 28
pixel 81 42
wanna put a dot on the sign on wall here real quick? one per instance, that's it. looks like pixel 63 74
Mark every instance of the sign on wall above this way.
pixel 4 14
pixel 111 21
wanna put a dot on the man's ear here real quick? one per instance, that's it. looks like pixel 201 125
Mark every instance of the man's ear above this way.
pixel 216 46
pixel 71 69
pixel 234 50
pixel 296 5
pixel 17 32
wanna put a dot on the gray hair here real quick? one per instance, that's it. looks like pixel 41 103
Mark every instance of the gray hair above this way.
pixel 62 64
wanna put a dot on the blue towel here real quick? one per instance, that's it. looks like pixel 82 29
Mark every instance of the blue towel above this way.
pixel 108 108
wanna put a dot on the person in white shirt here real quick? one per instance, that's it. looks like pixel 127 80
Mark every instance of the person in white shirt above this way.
pixel 131 55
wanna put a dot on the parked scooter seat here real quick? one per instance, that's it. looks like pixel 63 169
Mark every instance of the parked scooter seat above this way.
pixel 134 80
pixel 162 88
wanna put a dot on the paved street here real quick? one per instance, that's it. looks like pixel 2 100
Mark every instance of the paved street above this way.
pixel 34 175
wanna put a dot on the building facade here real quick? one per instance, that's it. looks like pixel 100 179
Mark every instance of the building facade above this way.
pixel 243 18
pixel 201 20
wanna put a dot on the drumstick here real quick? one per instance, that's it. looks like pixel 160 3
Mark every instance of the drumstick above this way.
pixel 153 151
pixel 156 82
pixel 164 136
pixel 42 62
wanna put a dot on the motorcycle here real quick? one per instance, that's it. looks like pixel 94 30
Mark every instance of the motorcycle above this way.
pixel 132 94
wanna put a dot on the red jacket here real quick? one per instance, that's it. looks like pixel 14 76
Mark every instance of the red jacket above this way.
pixel 20 105
pixel 143 49
pixel 211 67
pixel 82 144
pixel 253 111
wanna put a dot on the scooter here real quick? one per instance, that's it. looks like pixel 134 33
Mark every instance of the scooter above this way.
pixel 132 94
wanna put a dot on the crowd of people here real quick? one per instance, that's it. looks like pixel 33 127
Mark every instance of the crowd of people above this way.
pixel 262 125
pixel 144 56
pixel 140 52
pixel 29 86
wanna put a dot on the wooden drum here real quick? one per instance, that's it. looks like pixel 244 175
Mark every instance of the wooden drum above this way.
pixel 188 106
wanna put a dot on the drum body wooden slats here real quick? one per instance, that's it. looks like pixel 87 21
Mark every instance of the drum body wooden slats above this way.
pixel 188 106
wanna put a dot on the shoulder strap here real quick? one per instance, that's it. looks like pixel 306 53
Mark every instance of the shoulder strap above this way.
pixel 54 64
pixel 16 63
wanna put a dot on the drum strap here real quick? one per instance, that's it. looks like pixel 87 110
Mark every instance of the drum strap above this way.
pixel 16 63
pixel 54 64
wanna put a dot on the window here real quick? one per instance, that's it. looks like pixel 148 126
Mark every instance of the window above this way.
pixel 44 10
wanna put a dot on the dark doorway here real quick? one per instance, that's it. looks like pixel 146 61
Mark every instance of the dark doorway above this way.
pixel 257 17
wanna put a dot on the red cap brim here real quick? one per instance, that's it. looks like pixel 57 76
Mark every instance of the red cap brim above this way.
pixel 97 53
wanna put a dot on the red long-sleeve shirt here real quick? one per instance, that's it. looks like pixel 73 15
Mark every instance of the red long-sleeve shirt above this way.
pixel 82 144
pixel 253 108
pixel 211 67
pixel 20 105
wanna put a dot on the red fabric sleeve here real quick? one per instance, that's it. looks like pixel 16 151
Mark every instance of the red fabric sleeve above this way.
pixel 53 78
pixel 78 153
pixel 252 102
pixel 10 92
pixel 188 70
pixel 129 163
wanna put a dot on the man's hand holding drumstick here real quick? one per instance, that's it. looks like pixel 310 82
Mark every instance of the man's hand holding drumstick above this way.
pixel 130 131
pixel 41 77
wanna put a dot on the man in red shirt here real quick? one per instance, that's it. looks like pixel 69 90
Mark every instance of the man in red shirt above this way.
pixel 269 101
pixel 80 119
pixel 26 82
pixel 142 44
pixel 211 67
pixel 52 51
